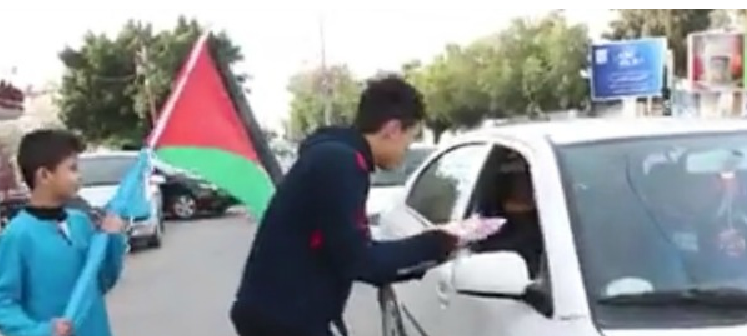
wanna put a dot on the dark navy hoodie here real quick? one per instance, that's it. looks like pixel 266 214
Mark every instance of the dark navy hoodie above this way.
pixel 314 241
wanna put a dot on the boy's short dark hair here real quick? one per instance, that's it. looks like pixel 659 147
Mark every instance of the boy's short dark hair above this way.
pixel 45 148
pixel 389 98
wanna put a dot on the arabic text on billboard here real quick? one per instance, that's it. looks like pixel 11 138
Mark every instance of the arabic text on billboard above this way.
pixel 632 68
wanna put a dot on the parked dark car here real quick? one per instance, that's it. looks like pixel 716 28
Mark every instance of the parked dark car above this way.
pixel 9 207
pixel 187 197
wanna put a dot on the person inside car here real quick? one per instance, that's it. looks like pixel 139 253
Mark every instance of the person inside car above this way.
pixel 521 233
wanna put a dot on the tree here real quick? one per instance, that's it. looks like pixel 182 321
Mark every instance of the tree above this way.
pixel 103 93
pixel 728 18
pixel 675 24
pixel 308 99
pixel 449 89
pixel 531 67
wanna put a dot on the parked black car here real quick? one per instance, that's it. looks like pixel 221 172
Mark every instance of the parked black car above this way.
pixel 187 197
pixel 9 208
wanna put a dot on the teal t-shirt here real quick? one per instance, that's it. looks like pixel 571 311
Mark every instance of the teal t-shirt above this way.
pixel 38 271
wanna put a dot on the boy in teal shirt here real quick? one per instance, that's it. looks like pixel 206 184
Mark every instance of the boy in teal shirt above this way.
pixel 43 249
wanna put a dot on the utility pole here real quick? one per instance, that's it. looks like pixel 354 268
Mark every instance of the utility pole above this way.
pixel 142 63
pixel 326 80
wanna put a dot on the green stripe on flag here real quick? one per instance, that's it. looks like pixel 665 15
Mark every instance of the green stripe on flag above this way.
pixel 244 179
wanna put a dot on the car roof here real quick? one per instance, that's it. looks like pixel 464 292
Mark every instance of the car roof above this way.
pixel 109 153
pixel 600 129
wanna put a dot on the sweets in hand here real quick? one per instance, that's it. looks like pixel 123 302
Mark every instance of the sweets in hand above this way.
pixel 474 229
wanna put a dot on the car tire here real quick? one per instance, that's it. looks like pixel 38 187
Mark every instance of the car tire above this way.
pixel 221 211
pixel 391 315
pixel 183 207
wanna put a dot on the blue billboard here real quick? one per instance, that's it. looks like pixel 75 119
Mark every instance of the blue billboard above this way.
pixel 631 68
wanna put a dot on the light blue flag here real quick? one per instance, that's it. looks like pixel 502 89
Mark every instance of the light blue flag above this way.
pixel 129 201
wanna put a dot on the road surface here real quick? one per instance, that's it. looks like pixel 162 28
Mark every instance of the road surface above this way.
pixel 186 287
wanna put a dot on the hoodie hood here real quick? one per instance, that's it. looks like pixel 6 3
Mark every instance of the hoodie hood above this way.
pixel 344 135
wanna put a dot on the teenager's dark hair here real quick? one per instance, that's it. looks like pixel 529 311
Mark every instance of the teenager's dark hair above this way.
pixel 45 148
pixel 389 98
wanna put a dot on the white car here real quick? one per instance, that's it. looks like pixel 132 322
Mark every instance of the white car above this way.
pixel 639 224
pixel 386 185
pixel 100 175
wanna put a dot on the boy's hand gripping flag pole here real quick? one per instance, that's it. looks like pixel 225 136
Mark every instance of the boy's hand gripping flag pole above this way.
pixel 129 201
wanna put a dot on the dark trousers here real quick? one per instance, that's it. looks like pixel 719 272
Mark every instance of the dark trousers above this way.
pixel 248 324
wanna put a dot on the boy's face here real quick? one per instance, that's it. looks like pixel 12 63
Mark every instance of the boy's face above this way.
pixel 61 182
pixel 394 144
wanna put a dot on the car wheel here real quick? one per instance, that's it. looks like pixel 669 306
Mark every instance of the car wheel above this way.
pixel 221 210
pixel 183 207
pixel 391 316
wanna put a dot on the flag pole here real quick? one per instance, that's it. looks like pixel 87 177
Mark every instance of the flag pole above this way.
pixel 249 122
pixel 168 108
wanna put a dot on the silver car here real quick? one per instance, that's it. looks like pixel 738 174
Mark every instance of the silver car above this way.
pixel 100 175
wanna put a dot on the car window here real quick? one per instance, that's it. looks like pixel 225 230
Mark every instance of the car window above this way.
pixel 103 170
pixel 448 179
pixel 399 175
pixel 713 161
pixel 668 210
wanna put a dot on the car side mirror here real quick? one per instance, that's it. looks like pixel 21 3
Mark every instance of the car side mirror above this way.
pixel 157 179
pixel 495 274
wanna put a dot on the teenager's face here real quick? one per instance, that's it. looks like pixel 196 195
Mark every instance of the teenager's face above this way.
pixel 394 143
pixel 61 182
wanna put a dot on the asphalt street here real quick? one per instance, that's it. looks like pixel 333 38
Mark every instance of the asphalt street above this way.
pixel 186 287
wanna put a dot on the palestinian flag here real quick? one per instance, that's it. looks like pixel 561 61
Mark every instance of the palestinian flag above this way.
pixel 206 127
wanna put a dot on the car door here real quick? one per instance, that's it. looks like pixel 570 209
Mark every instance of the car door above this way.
pixel 468 314
pixel 435 195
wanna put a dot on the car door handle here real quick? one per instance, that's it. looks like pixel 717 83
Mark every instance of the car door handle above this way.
pixel 442 293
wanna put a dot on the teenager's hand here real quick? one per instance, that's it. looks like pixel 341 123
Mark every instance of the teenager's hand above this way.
pixel 111 223
pixel 473 229
pixel 62 327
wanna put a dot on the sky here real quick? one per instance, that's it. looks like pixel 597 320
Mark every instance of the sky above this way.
pixel 278 37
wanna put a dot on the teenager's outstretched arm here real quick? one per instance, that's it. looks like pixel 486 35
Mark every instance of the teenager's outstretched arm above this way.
pixel 13 319
pixel 340 190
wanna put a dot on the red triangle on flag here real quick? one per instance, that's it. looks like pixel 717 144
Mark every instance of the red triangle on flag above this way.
pixel 200 112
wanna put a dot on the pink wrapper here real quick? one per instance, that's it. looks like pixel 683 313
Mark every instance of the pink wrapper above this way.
pixel 475 229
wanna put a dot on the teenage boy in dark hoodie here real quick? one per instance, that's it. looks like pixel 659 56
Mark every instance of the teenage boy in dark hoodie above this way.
pixel 314 240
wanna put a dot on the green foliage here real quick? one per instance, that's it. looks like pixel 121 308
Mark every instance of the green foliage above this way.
pixel 532 67
pixel 103 93
pixel 308 103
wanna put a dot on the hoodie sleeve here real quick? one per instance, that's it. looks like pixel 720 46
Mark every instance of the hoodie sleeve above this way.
pixel 340 190
pixel 13 319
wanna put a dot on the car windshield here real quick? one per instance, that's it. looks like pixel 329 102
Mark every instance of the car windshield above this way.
pixel 103 170
pixel 169 170
pixel 398 176
pixel 659 215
